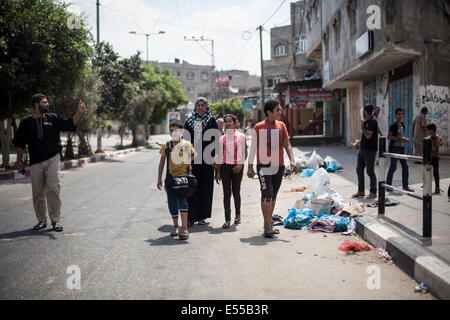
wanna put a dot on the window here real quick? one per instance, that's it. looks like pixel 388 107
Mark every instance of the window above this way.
pixel 270 83
pixel 204 76
pixel 301 45
pixel 178 74
pixel 280 50
pixel 301 14
pixel 190 75
pixel 191 90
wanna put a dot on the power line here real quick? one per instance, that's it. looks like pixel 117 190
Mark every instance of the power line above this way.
pixel 166 22
pixel 274 12
pixel 298 37
pixel 250 45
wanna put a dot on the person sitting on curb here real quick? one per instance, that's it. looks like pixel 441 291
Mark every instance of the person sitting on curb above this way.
pixel 269 138
pixel 179 161
pixel 397 139
pixel 41 131
pixel 229 167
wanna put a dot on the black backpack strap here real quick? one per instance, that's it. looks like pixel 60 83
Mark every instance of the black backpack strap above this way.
pixel 168 151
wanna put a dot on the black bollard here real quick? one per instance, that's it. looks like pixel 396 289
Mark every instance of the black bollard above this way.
pixel 427 198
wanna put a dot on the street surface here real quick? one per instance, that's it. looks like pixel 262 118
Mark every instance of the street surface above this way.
pixel 117 231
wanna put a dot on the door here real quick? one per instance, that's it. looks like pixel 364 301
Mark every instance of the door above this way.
pixel 401 96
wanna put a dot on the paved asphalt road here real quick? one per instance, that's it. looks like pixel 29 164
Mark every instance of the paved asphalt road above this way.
pixel 116 230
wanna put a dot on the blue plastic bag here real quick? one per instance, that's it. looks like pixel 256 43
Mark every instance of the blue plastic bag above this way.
pixel 307 173
pixel 298 219
pixel 341 222
pixel 308 196
pixel 331 167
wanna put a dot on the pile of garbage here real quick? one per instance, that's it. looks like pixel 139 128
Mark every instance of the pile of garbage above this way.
pixel 308 165
pixel 322 208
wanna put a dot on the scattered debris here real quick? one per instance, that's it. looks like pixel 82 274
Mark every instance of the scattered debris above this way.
pixel 388 203
pixel 277 220
pixel 347 245
pixel 303 188
pixel 383 254
pixel 423 288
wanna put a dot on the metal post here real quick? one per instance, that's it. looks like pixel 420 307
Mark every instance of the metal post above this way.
pixel 147 47
pixel 98 21
pixel 427 184
pixel 262 69
pixel 382 176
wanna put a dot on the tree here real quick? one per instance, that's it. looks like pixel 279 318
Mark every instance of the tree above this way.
pixel 141 107
pixel 118 76
pixel 41 52
pixel 231 106
pixel 171 92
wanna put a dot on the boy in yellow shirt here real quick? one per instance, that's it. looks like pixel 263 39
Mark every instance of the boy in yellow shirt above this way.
pixel 179 161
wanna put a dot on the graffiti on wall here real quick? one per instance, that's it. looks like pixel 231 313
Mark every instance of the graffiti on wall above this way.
pixel 437 100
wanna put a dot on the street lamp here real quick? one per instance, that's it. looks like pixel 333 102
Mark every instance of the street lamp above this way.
pixel 146 35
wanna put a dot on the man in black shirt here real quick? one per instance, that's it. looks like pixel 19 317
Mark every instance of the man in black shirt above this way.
pixel 397 140
pixel 367 153
pixel 40 131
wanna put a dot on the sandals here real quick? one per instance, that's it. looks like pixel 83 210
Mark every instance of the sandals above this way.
pixel 184 235
pixel 174 232
pixel 226 225
pixel 270 232
pixel 57 227
pixel 237 220
pixel 40 225
pixel 202 222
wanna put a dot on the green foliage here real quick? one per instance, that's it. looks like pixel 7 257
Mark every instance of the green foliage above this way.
pixel 40 52
pixel 171 93
pixel 230 106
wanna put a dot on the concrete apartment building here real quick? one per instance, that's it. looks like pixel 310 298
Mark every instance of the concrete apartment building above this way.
pixel 200 80
pixel 287 50
pixel 395 56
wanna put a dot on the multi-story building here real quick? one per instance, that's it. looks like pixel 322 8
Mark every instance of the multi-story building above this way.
pixel 197 80
pixel 288 51
pixel 393 54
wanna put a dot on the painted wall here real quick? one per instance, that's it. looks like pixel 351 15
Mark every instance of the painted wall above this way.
pixel 437 100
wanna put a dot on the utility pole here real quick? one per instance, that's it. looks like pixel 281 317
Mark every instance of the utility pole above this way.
pixel 262 67
pixel 98 21
pixel 146 35
pixel 213 78
pixel 99 130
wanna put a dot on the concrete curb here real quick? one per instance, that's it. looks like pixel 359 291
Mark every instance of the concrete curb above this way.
pixel 411 257
pixel 14 175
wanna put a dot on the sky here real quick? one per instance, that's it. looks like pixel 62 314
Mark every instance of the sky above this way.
pixel 232 24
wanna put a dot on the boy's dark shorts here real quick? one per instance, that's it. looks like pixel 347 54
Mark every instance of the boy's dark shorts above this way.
pixel 270 180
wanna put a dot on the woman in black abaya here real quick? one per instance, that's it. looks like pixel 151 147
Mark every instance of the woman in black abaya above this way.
pixel 200 204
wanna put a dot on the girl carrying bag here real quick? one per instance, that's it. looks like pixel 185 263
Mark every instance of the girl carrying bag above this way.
pixel 179 187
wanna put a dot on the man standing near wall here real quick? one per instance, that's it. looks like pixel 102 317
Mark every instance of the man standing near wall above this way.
pixel 397 139
pixel 40 131
pixel 367 154
pixel 418 131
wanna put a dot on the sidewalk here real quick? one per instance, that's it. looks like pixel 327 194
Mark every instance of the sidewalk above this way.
pixel 108 144
pixel 400 230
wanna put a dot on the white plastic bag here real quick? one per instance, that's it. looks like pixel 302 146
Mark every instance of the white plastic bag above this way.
pixel 320 182
pixel 330 160
pixel 313 162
